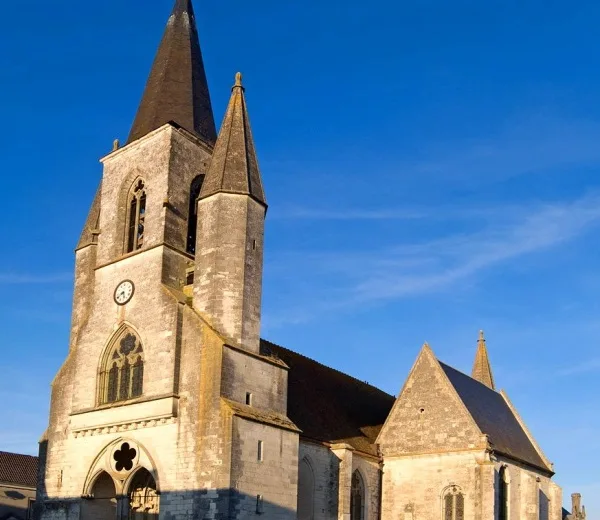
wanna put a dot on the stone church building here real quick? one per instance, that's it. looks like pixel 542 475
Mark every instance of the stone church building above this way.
pixel 170 405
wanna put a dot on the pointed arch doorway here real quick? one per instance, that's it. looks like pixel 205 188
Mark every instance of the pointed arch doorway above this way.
pixel 102 503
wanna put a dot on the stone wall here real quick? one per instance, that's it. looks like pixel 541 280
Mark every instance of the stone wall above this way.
pixel 270 477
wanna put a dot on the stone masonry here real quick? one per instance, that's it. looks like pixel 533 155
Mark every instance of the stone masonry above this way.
pixel 170 406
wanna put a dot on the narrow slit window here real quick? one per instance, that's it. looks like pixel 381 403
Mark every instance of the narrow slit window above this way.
pixel 259 505
pixel 248 398
pixel 260 451
pixel 195 188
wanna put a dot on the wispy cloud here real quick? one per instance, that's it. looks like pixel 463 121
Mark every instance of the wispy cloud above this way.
pixel 354 278
pixel 350 214
pixel 590 365
pixel 462 256
pixel 416 213
pixel 523 145
pixel 9 278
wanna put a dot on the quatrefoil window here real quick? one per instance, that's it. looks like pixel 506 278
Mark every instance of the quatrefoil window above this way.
pixel 124 457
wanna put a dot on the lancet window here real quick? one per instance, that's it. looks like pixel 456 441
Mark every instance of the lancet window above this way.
pixel 357 497
pixel 503 495
pixel 454 504
pixel 195 188
pixel 122 373
pixel 136 216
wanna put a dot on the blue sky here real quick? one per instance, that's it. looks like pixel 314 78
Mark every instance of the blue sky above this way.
pixel 431 168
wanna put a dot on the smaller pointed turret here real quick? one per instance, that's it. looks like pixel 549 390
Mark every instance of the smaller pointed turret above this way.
pixel 482 370
pixel 230 237
pixel 234 165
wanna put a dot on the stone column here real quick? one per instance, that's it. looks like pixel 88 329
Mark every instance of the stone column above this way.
pixel 344 452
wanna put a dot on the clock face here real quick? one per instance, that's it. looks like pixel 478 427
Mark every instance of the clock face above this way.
pixel 124 292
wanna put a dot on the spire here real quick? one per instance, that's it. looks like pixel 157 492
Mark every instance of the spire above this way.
pixel 234 166
pixel 177 90
pixel 482 371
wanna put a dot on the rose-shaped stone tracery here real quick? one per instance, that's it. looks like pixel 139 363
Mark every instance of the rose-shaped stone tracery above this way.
pixel 124 457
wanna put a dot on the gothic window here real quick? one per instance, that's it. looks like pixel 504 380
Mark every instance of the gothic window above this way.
pixel 306 491
pixel 193 214
pixel 357 497
pixel 503 494
pixel 136 217
pixel 122 372
pixel 143 497
pixel 454 504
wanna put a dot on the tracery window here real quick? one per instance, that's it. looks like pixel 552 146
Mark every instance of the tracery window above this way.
pixel 357 497
pixel 136 217
pixel 503 494
pixel 454 504
pixel 122 372
pixel 195 188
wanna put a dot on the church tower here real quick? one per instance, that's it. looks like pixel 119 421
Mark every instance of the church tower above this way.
pixel 165 405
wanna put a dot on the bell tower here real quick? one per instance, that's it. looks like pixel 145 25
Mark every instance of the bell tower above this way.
pixel 165 379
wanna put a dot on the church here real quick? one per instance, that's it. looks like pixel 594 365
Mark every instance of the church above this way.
pixel 171 406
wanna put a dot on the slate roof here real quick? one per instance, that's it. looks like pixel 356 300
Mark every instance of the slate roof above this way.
pixel 330 406
pixel 494 417
pixel 258 415
pixel 234 165
pixel 20 470
pixel 177 90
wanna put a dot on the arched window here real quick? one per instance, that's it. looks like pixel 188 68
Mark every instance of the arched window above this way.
pixel 195 188
pixel 122 371
pixel 136 216
pixel 454 504
pixel 143 497
pixel 357 497
pixel 306 491
pixel 503 494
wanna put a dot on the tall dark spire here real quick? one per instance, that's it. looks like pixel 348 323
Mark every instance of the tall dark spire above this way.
pixel 234 166
pixel 482 370
pixel 177 90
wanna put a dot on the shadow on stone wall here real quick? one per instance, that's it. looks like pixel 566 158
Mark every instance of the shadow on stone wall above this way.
pixel 7 511
pixel 173 505
pixel 219 504
pixel 544 505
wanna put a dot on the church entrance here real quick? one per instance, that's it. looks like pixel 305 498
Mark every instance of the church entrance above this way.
pixel 103 505
pixel 143 497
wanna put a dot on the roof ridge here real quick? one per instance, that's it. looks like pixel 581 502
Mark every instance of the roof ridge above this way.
pixel 467 375
pixel 328 367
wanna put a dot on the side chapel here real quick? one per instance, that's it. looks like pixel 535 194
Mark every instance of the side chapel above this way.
pixel 169 405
